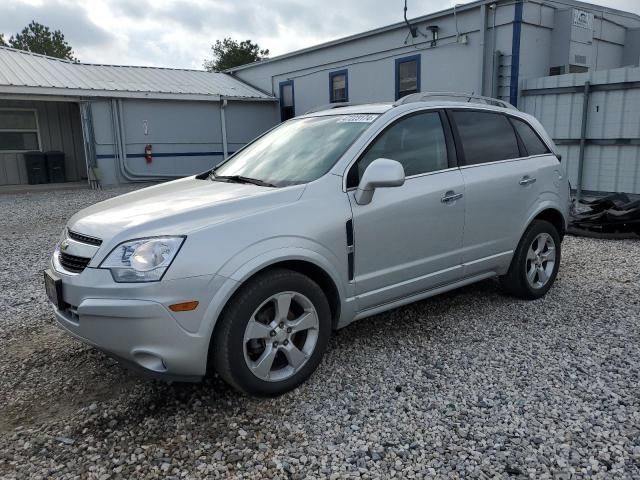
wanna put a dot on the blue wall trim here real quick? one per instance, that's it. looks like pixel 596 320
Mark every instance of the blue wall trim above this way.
pixel 344 72
pixel 515 54
pixel 161 155
pixel 399 61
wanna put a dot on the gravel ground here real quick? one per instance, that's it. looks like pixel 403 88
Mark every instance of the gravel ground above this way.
pixel 470 383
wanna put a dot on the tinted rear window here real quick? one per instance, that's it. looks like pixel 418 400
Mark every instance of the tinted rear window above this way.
pixel 530 138
pixel 486 137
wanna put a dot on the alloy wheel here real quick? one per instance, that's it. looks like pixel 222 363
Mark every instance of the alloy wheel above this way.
pixel 280 336
pixel 541 259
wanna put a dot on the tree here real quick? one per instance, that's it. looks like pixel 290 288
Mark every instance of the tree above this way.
pixel 2 42
pixel 230 53
pixel 38 38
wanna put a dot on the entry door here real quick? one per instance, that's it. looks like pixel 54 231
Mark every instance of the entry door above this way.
pixel 501 187
pixel 409 238
pixel 287 101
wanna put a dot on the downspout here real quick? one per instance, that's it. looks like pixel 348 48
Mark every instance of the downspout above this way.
pixel 223 123
pixel 483 36
pixel 88 139
pixel 115 129
pixel 583 138
pixel 123 145
pixel 119 148
pixel 497 61
pixel 494 77
pixel 515 54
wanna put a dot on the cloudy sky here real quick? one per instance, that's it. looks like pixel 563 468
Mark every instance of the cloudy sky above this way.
pixel 179 33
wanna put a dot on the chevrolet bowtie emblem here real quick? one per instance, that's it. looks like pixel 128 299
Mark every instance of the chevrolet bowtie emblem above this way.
pixel 64 245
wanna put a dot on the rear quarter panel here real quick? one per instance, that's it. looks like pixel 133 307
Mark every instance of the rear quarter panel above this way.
pixel 553 189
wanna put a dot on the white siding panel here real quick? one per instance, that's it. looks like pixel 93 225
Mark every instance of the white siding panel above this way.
pixel 614 115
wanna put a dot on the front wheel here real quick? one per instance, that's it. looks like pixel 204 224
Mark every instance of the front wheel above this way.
pixel 273 333
pixel 535 262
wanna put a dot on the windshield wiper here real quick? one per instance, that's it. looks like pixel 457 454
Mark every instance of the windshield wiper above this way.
pixel 241 179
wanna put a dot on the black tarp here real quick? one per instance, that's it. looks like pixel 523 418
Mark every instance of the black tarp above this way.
pixel 613 216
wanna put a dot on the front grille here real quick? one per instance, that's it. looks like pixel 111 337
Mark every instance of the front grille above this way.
pixel 74 264
pixel 79 237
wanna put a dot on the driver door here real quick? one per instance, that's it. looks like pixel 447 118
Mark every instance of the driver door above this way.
pixel 409 238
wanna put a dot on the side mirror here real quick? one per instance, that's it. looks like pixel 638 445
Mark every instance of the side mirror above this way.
pixel 382 172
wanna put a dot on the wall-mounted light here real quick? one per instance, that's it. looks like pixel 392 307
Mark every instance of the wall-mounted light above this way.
pixel 434 29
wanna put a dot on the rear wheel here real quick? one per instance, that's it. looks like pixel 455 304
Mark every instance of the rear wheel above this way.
pixel 535 263
pixel 273 333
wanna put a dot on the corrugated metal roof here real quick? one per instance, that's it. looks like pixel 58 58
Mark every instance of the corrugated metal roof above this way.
pixel 28 73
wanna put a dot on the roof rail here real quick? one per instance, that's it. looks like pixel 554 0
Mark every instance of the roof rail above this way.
pixel 469 98
pixel 329 106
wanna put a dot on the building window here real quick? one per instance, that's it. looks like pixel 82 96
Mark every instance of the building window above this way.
pixel 339 86
pixel 18 130
pixel 287 101
pixel 407 75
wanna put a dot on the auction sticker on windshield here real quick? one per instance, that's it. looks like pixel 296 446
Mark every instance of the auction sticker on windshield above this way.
pixel 361 118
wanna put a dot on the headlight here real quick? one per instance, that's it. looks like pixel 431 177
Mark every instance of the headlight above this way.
pixel 142 260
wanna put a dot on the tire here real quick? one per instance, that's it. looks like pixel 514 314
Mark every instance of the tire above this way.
pixel 252 332
pixel 518 281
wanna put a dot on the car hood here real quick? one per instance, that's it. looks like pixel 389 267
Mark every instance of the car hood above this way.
pixel 177 208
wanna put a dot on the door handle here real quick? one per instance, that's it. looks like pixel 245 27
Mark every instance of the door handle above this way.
pixel 451 196
pixel 527 180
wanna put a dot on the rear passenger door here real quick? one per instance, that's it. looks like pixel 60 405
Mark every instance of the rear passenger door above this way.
pixel 501 187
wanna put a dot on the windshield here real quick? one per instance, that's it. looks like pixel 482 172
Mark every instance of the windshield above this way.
pixel 298 151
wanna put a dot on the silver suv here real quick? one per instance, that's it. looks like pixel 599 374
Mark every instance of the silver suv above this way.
pixel 328 218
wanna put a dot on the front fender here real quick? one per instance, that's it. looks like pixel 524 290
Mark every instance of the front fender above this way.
pixel 247 263
pixel 272 250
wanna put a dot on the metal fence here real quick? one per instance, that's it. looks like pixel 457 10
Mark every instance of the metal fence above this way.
pixel 594 118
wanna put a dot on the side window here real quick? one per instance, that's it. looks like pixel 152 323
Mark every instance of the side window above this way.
pixel 338 86
pixel 485 136
pixel 530 138
pixel 416 141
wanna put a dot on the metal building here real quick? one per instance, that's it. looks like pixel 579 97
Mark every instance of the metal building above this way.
pixel 118 124
pixel 495 48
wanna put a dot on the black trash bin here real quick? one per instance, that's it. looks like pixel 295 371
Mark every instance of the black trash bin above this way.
pixel 36 163
pixel 55 167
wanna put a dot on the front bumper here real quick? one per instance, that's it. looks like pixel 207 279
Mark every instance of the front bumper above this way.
pixel 132 322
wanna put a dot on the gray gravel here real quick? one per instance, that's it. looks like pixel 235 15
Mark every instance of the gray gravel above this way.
pixel 470 383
